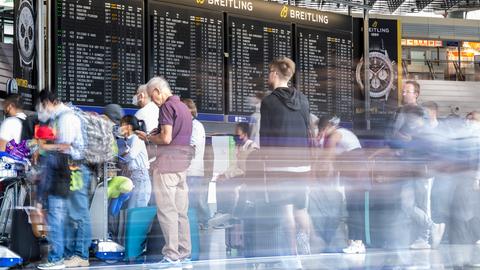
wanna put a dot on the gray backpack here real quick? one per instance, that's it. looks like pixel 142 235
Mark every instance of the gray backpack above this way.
pixel 100 144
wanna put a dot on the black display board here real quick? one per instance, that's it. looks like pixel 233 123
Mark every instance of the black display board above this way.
pixel 186 47
pixel 24 52
pixel 324 71
pixel 253 44
pixel 99 51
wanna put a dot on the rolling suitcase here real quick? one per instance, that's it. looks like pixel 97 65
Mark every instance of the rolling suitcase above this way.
pixel 194 233
pixel 264 232
pixel 234 239
pixel 138 223
pixel 23 241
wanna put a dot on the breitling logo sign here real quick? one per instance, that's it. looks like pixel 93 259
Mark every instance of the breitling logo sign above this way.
pixel 284 12
pixel 375 30
pixel 303 15
pixel 235 4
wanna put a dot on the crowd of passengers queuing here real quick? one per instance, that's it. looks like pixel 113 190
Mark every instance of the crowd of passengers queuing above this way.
pixel 308 170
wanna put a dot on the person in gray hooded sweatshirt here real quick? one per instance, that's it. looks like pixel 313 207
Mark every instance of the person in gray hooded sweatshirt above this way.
pixel 284 141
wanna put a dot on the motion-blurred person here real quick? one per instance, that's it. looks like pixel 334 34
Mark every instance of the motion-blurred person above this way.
pixel 284 128
pixel 135 154
pixel 436 133
pixel 256 116
pixel 230 181
pixel 68 206
pixel 335 142
pixel 13 126
pixel 415 193
pixel 195 175
pixel 170 173
pixel 148 111
pixel 410 94
pixel 462 165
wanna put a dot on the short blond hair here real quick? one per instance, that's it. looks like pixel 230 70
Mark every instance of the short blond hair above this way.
pixel 284 66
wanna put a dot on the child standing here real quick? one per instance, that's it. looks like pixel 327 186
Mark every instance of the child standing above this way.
pixel 136 158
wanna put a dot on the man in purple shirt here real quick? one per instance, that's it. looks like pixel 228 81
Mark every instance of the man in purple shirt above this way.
pixel 169 173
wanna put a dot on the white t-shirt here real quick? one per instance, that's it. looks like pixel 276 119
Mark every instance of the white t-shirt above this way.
pixel 348 142
pixel 198 141
pixel 11 128
pixel 149 114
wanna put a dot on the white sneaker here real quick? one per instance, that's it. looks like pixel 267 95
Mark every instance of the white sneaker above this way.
pixel 437 233
pixel 303 244
pixel 420 244
pixel 52 265
pixel 219 220
pixel 355 247
pixel 76 261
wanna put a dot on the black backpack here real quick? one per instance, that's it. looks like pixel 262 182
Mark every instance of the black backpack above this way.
pixel 28 127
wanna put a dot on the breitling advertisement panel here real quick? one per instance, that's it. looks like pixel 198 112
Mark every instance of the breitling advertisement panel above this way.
pixel 24 66
pixel 382 75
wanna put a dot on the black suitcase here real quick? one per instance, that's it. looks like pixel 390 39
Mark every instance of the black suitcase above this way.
pixel 23 242
pixel 155 241
pixel 265 232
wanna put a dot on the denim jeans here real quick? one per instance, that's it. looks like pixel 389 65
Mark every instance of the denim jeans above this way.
pixel 57 209
pixel 416 204
pixel 78 231
pixel 142 190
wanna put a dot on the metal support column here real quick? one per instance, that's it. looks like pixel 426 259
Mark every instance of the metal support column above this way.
pixel 459 47
pixel 366 64
pixel 40 40
pixel 49 44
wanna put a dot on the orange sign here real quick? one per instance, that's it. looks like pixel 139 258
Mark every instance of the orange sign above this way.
pixel 422 43
pixel 472 45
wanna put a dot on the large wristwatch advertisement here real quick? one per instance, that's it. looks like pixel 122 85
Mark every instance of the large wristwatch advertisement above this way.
pixel 382 75
pixel 24 49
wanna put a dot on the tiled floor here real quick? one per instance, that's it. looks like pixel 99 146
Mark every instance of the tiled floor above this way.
pixel 447 257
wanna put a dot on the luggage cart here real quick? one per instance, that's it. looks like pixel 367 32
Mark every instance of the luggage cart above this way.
pixel 105 249
pixel 13 172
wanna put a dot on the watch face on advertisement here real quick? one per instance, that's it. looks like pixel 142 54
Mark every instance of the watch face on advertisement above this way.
pixel 381 74
pixel 26 32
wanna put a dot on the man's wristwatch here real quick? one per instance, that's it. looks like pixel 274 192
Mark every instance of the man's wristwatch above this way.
pixel 25 34
pixel 382 72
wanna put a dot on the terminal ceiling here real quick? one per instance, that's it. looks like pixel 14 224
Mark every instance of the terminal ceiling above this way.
pixel 390 7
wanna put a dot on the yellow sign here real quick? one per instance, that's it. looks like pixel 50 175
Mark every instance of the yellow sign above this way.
pixel 422 43
pixel 22 83
pixel 200 2
pixel 284 12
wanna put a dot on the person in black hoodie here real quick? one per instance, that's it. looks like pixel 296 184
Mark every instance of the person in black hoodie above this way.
pixel 284 141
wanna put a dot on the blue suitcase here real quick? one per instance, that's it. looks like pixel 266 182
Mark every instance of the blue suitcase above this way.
pixel 137 227
pixel 194 233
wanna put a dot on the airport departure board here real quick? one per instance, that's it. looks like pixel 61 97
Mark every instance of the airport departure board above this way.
pixel 99 51
pixel 253 45
pixel 186 47
pixel 324 71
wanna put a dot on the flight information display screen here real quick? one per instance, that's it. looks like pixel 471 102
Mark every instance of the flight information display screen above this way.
pixel 186 47
pixel 99 51
pixel 324 71
pixel 253 44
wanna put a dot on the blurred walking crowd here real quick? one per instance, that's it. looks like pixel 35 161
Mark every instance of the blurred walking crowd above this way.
pixel 297 183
